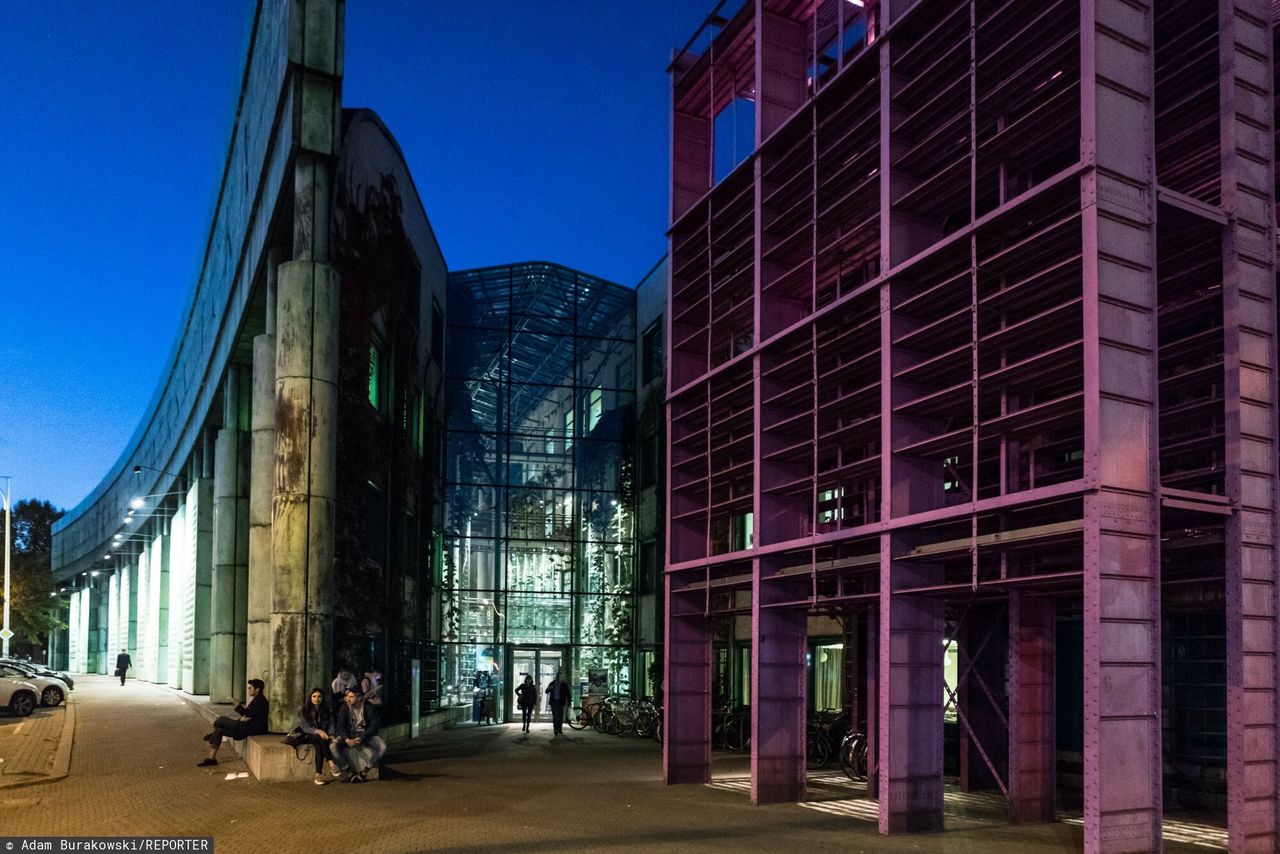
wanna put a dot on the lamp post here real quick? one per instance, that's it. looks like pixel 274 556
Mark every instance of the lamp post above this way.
pixel 7 633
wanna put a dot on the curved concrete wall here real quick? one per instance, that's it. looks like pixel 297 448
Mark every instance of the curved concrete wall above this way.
pixel 255 182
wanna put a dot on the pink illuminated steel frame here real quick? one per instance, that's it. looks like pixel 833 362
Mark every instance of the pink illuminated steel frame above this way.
pixel 955 333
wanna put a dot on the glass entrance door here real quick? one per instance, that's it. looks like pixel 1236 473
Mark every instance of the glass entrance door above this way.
pixel 542 663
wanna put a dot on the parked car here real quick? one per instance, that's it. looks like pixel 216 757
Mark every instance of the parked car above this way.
pixel 40 670
pixel 18 696
pixel 52 691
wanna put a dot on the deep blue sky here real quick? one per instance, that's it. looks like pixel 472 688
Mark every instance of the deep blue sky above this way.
pixel 533 130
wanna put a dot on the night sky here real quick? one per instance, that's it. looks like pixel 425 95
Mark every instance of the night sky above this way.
pixel 534 130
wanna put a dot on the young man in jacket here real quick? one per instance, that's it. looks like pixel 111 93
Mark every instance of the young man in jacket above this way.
pixel 356 726
pixel 252 721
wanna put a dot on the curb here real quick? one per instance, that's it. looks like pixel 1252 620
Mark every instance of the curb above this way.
pixel 61 757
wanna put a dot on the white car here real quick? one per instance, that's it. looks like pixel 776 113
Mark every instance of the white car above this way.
pixel 18 696
pixel 51 691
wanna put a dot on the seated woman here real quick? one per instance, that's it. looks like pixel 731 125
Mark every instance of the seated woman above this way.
pixel 316 722
pixel 356 727
pixel 252 721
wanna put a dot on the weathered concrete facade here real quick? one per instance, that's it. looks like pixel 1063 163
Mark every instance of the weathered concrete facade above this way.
pixel 209 550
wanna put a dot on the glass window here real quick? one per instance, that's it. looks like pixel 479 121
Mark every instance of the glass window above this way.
pixel 828 677
pixel 595 408
pixel 651 347
pixel 950 674
pixel 568 429
pixel 375 376
pixel 743 532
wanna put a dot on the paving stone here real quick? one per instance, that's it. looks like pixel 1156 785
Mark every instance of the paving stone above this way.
pixel 133 771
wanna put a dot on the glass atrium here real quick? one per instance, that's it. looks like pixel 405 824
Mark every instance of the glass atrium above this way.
pixel 537 563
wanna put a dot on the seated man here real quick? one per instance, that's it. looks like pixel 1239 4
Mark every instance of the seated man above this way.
pixel 357 746
pixel 252 721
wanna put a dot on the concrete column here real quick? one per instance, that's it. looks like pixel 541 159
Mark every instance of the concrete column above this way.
pixel 910 701
pixel 1032 751
pixel 302 533
pixel 261 480
pixel 779 644
pixel 129 610
pixel 142 615
pixel 83 605
pixel 101 606
pixel 160 606
pixel 1249 363
pixel 223 685
pixel 686 745
pixel 179 570
pixel 199 588
pixel 113 617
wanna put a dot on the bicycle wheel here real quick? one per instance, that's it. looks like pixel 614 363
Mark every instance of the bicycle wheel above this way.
pixel 579 719
pixel 644 725
pixel 816 749
pixel 853 756
pixel 603 720
pixel 737 733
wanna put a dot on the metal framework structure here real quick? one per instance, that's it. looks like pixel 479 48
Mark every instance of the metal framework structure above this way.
pixel 978 343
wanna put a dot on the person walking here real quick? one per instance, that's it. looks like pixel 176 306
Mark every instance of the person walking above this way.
pixel 558 694
pixel 526 700
pixel 123 663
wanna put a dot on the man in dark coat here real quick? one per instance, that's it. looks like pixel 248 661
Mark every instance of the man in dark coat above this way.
pixel 123 663
pixel 252 721
pixel 559 697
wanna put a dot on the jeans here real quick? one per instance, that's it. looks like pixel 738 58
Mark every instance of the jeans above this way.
pixel 368 752
pixel 225 727
pixel 557 717
pixel 319 749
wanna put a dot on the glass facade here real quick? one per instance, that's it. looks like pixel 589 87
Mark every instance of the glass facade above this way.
pixel 539 494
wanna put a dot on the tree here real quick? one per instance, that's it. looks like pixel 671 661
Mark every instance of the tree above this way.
pixel 33 613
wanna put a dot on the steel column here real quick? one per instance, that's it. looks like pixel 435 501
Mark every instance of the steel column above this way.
pixel 686 744
pixel 1122 702
pixel 910 736
pixel 1032 751
pixel 1249 360
pixel 779 643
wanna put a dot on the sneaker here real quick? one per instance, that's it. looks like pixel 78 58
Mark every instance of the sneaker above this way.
pixel 204 763
pixel 357 778
pixel 333 767
pixel 346 777
pixel 320 780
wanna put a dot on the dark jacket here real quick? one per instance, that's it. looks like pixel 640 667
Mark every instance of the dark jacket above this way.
pixel 561 697
pixel 311 718
pixel 123 661
pixel 255 714
pixel 345 727
pixel 526 695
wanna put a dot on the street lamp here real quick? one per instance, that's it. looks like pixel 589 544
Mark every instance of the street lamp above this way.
pixel 7 633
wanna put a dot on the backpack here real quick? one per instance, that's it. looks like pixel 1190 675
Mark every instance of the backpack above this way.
pixel 371 689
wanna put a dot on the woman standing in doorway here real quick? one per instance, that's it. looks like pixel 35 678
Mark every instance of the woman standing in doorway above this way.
pixel 526 699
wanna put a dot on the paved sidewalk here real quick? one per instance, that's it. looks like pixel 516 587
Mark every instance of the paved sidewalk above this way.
pixel 133 772
pixel 29 746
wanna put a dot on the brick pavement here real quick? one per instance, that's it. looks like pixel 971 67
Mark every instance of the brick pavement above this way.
pixel 468 790
pixel 29 746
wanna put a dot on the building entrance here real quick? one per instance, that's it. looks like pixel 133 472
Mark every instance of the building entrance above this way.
pixel 542 663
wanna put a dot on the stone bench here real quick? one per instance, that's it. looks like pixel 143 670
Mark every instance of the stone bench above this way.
pixel 272 761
